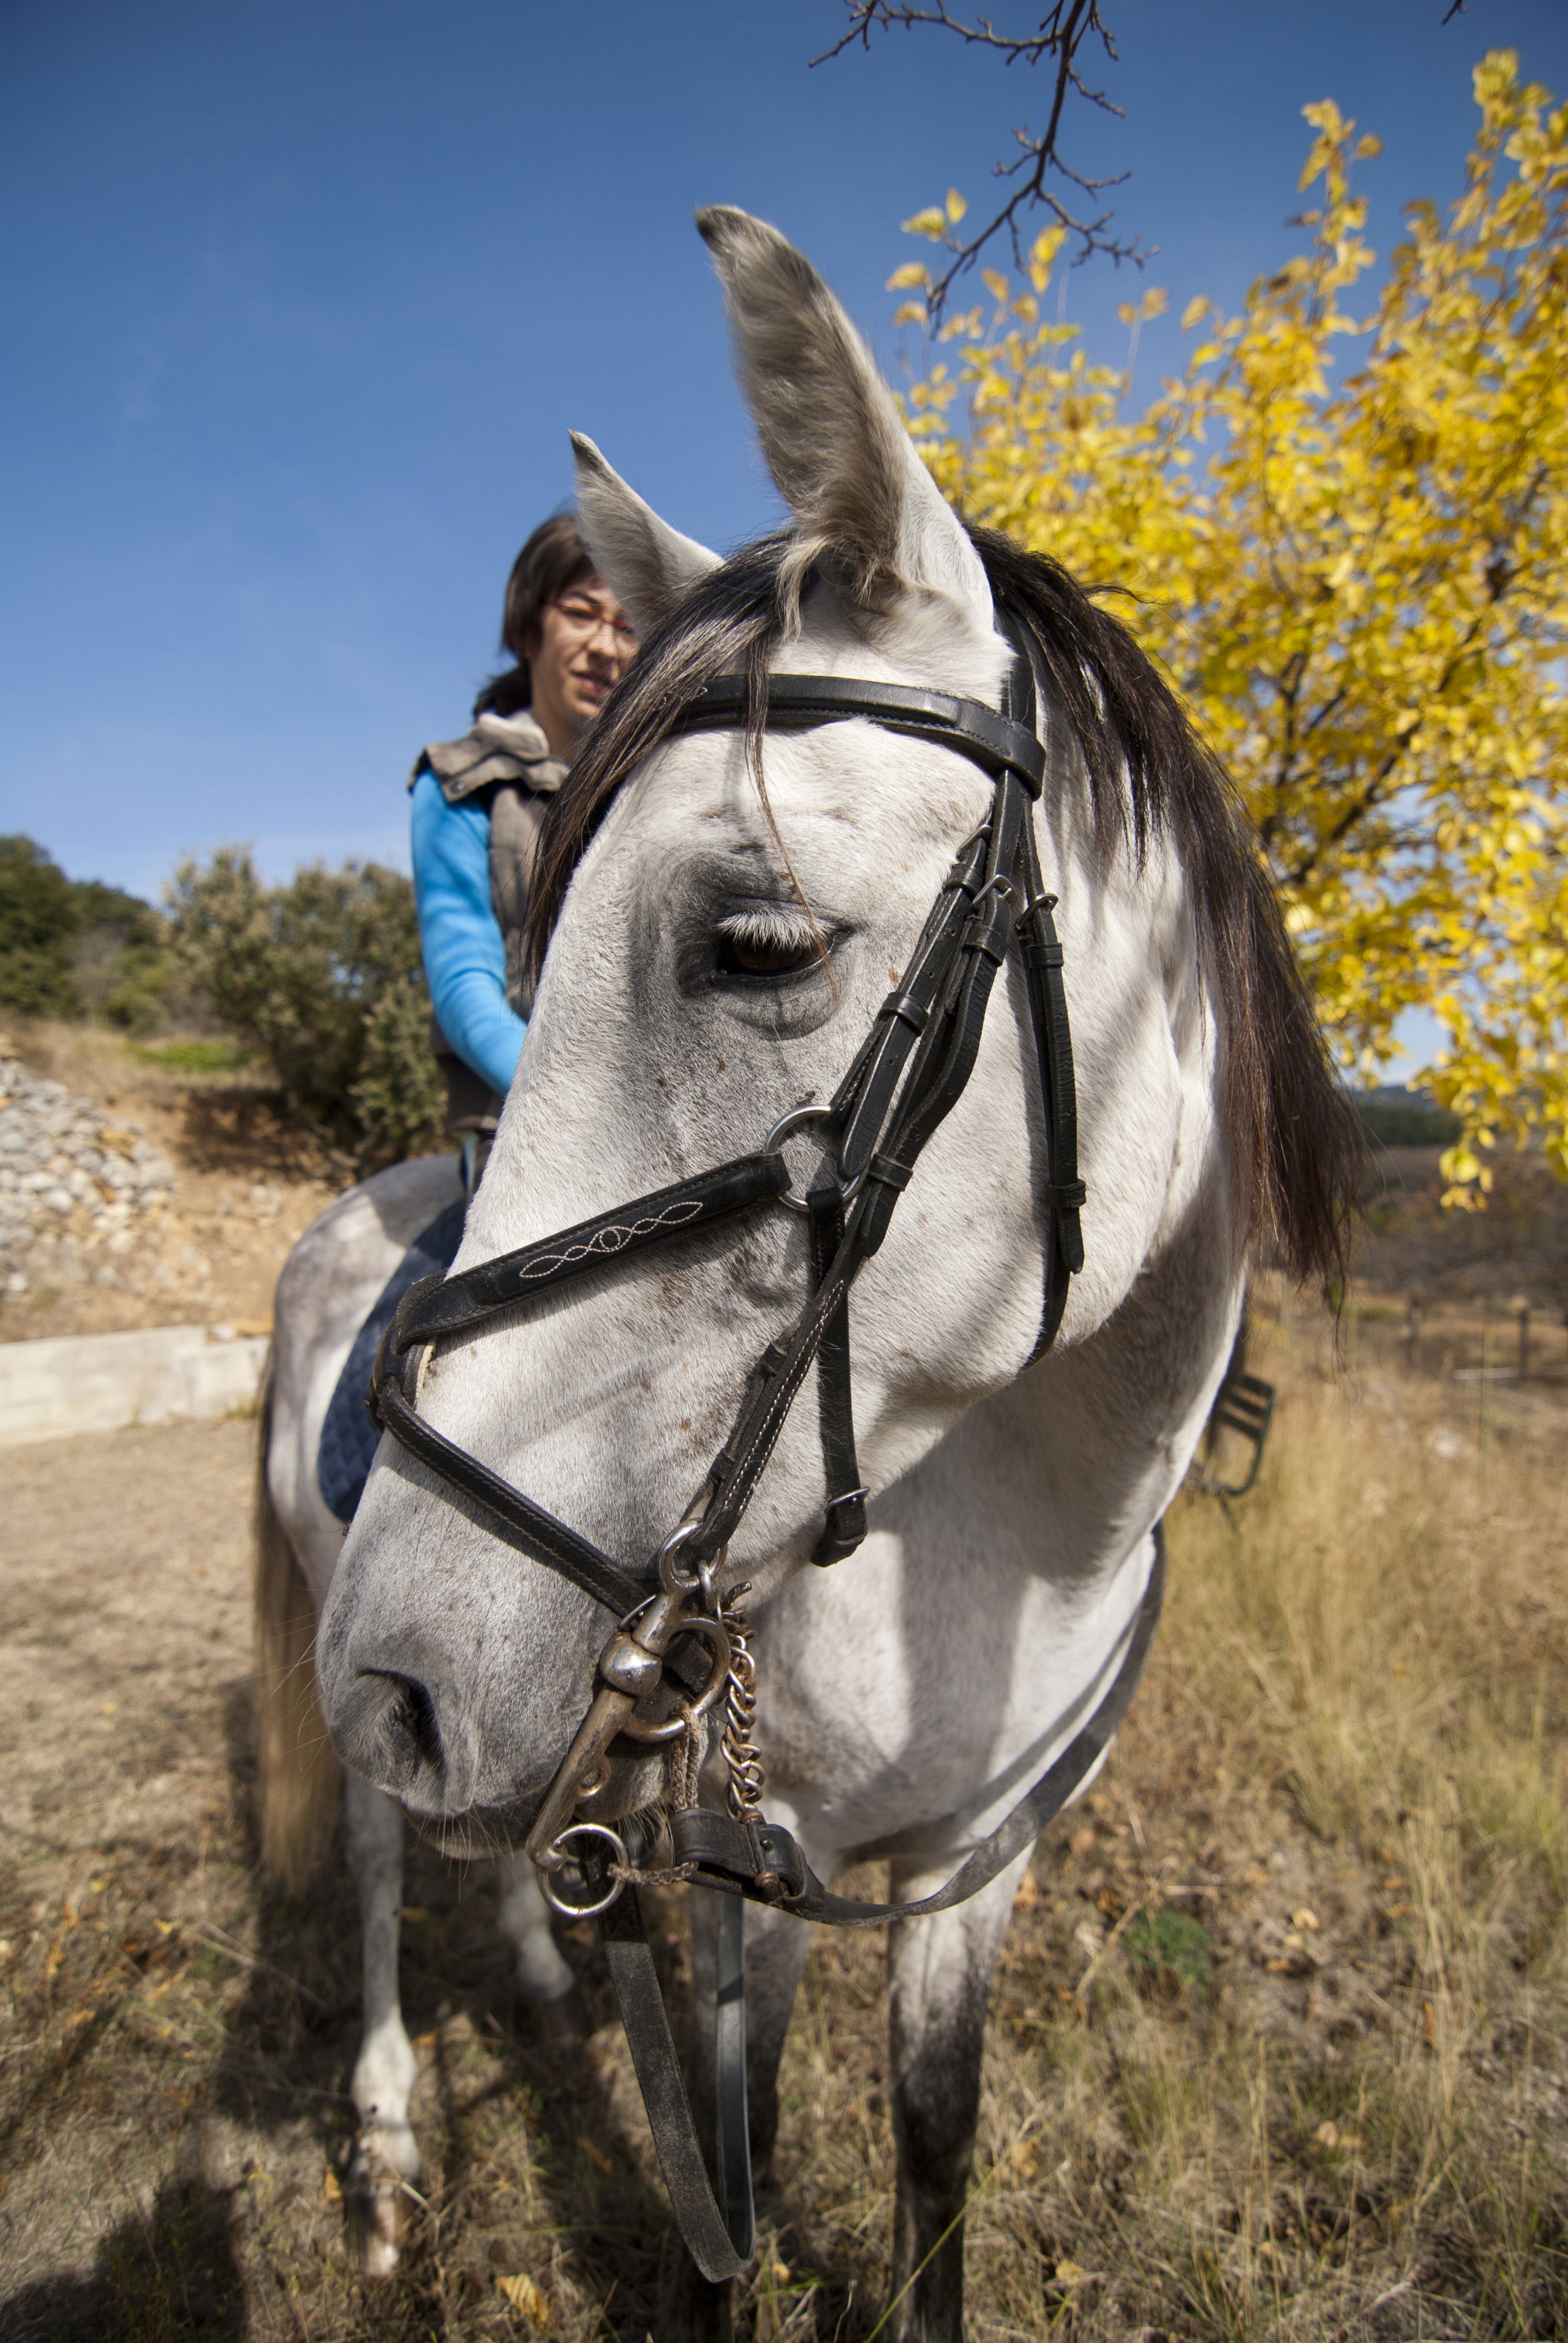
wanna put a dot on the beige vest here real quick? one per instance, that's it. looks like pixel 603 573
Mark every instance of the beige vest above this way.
pixel 509 755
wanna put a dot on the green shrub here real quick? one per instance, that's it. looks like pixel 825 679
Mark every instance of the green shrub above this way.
pixel 399 1095
pixel 76 948
pixel 322 979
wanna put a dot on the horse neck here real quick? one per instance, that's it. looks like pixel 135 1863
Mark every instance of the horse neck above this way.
pixel 1070 1466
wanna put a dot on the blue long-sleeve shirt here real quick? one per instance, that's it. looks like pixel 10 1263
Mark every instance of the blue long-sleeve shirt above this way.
pixel 459 935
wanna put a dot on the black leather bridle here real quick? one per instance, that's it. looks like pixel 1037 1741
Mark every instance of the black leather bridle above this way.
pixel 677 1637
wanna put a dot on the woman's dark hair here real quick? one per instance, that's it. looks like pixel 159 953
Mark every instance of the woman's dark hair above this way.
pixel 554 560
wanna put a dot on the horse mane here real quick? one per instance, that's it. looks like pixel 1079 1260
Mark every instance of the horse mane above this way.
pixel 1294 1135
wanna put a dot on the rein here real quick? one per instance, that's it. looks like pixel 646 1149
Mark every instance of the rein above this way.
pixel 683 1637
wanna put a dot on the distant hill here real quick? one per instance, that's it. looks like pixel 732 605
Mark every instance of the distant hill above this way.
pixel 1395 1117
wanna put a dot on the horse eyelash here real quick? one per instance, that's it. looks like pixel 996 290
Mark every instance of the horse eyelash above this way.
pixel 765 927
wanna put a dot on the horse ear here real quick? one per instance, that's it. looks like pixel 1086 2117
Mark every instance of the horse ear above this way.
pixel 650 565
pixel 863 502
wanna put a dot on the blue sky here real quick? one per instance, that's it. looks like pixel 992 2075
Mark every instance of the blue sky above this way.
pixel 305 294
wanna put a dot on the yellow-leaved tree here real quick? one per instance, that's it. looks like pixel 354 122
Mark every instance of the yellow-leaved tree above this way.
pixel 1346 542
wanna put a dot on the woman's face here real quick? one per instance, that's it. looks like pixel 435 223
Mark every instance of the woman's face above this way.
pixel 585 644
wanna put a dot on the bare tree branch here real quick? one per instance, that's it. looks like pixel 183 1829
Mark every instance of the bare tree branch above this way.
pixel 1060 35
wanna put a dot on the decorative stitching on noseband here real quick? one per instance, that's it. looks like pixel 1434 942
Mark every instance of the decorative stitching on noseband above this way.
pixel 607 1241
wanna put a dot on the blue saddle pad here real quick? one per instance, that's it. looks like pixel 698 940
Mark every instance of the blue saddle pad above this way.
pixel 348 1437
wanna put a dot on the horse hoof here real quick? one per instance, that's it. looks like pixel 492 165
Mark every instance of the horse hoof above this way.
pixel 377 2222
pixel 375 2200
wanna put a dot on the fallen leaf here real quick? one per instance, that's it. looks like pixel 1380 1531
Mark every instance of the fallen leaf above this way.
pixel 1024 2158
pixel 1028 1894
pixel 424 2041
pixel 525 2295
pixel 1428 2021
pixel 1305 1918
pixel 1327 2135
pixel 595 2155
pixel 331 2187
pixel 1082 1840
pixel 780 2273
pixel 1069 2274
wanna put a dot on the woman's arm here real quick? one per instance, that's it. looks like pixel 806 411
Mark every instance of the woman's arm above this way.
pixel 465 958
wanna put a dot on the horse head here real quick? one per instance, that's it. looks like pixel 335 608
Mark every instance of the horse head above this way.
pixel 725 914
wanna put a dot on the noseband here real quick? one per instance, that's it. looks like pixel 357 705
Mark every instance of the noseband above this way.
pixel 683 1638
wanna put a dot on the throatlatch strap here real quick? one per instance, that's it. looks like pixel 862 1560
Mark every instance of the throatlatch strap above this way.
pixel 1042 958
pixel 845 1524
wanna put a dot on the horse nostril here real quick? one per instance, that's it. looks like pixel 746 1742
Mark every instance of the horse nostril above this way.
pixel 411 1719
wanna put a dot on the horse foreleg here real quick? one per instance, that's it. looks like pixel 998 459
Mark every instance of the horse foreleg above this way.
pixel 940 1983
pixel 544 1984
pixel 385 2154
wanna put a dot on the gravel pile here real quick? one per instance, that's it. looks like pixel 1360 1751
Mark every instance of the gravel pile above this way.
pixel 75 1184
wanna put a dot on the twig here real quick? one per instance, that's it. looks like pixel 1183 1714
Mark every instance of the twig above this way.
pixel 1060 35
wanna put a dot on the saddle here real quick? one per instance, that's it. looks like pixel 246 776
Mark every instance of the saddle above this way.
pixel 349 1435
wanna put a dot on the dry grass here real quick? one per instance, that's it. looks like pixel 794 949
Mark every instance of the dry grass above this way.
pixel 1277 2047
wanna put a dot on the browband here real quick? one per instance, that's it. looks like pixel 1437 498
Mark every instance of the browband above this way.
pixel 996 743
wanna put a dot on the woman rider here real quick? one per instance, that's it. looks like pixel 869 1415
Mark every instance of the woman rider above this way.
pixel 476 807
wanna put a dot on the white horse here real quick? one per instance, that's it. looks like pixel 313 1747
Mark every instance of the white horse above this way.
pixel 715 957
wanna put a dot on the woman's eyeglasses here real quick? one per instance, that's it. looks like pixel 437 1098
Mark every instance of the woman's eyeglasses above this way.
pixel 587 619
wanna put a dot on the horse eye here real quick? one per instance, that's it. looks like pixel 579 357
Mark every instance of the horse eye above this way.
pixel 744 955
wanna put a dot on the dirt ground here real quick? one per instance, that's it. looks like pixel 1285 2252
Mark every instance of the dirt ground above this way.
pixel 1278 2041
